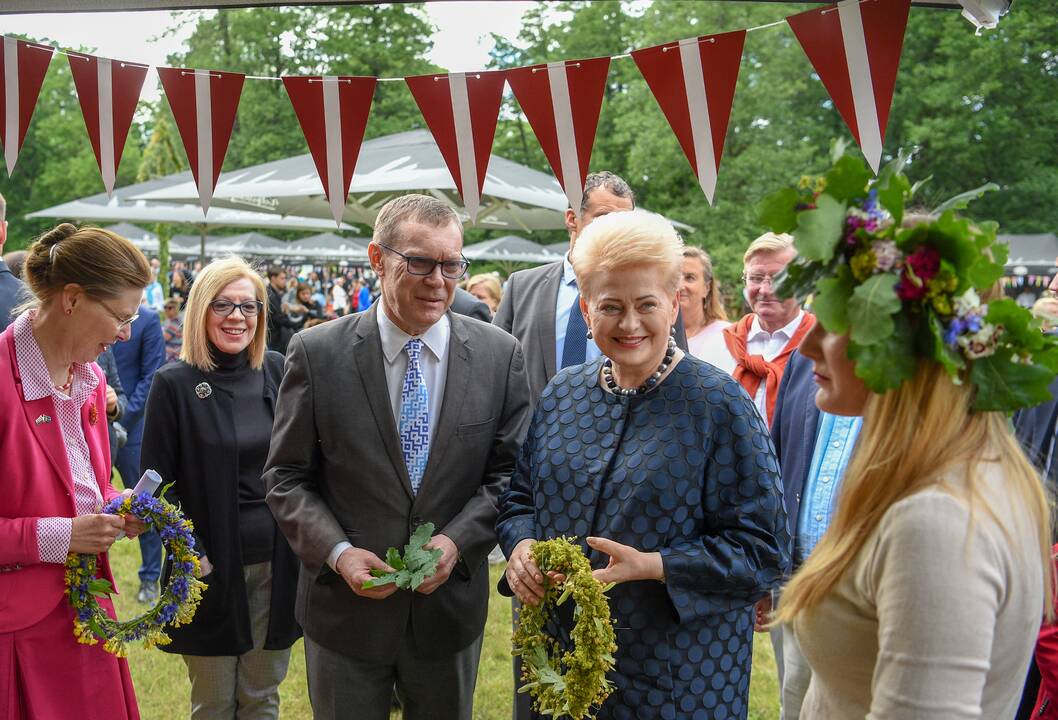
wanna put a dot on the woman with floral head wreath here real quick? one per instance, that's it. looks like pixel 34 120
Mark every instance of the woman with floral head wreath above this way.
pixel 924 597
pixel 86 285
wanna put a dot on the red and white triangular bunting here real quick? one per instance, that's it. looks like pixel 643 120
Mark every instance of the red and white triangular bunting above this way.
pixel 461 110
pixel 109 91
pixel 855 47
pixel 333 115
pixel 23 66
pixel 694 83
pixel 562 101
pixel 204 103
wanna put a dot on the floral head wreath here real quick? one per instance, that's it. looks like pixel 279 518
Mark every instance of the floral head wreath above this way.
pixel 904 291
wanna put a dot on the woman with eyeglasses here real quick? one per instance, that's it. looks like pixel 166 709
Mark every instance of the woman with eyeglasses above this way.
pixel 208 426
pixel 86 286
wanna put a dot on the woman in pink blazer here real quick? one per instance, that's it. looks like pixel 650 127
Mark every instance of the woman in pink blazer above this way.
pixel 53 441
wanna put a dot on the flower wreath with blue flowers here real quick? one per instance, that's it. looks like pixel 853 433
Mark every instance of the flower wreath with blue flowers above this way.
pixel 908 288
pixel 177 602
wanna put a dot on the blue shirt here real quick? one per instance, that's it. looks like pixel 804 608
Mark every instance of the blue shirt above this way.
pixel 567 297
pixel 835 442
pixel 364 300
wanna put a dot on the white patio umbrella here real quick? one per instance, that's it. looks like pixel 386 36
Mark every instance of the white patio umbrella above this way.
pixel 329 246
pixel 514 196
pixel 510 248
pixel 122 207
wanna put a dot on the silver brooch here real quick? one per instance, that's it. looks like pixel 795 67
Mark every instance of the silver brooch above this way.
pixel 42 419
pixel 203 390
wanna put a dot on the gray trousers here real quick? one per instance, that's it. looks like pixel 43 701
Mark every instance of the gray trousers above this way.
pixel 244 686
pixel 797 674
pixel 428 688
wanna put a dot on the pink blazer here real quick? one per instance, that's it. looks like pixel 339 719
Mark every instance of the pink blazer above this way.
pixel 36 482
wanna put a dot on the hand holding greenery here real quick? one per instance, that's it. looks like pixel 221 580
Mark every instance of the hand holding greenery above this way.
pixel 566 682
pixel 178 601
pixel 417 564
pixel 904 289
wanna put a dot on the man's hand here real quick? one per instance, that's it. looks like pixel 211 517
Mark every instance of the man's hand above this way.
pixel 93 534
pixel 133 525
pixel 355 565
pixel 112 402
pixel 763 614
pixel 626 563
pixel 444 565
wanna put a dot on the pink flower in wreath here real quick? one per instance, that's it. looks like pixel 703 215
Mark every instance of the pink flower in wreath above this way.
pixel 924 262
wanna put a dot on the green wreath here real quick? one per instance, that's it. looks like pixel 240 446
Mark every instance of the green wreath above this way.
pixel 566 682
pixel 177 602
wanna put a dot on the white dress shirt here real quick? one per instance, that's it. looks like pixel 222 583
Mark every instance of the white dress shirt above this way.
pixel 567 296
pixel 433 363
pixel 769 345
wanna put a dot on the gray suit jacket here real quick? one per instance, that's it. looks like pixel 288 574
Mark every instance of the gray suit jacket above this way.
pixel 335 472
pixel 527 311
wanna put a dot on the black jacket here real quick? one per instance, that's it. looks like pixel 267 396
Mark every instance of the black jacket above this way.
pixel 466 304
pixel 280 327
pixel 187 440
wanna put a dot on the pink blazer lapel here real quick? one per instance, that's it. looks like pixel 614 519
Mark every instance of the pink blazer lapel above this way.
pixel 44 423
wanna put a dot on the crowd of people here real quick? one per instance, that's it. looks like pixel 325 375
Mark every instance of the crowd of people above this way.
pixel 728 477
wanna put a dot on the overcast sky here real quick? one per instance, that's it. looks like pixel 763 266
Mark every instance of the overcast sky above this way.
pixel 459 45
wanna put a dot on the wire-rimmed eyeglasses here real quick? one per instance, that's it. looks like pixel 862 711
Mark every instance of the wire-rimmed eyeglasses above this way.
pixel 122 322
pixel 451 269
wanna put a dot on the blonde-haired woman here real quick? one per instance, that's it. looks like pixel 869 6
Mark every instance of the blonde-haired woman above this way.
pixel 661 463
pixel 486 288
pixel 704 316
pixel 925 595
pixel 208 425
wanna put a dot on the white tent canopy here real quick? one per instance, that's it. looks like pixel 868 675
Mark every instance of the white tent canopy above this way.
pixel 329 246
pixel 510 248
pixel 123 208
pixel 514 196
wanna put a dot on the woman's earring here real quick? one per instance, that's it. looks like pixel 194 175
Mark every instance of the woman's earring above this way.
pixel 589 335
pixel 672 331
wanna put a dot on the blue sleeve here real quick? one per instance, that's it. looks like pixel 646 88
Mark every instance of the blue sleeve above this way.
pixel 745 549
pixel 517 517
pixel 152 357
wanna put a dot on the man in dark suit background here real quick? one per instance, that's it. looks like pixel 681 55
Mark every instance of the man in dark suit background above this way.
pixel 12 291
pixel 814 449
pixel 137 359
pixel 441 405
pixel 540 306
pixel 466 304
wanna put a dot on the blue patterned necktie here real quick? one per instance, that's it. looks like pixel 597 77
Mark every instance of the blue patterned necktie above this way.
pixel 414 423
pixel 576 343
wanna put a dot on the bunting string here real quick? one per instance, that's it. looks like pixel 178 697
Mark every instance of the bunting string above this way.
pixel 853 45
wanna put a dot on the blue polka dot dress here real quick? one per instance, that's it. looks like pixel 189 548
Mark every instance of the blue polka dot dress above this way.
pixel 687 470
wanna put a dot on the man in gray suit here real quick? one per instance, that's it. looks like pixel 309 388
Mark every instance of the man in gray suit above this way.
pixel 12 291
pixel 541 306
pixel 388 419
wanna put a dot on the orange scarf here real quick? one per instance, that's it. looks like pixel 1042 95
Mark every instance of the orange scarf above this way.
pixel 751 370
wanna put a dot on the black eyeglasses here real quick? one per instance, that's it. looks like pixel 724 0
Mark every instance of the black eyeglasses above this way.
pixel 224 308
pixel 451 269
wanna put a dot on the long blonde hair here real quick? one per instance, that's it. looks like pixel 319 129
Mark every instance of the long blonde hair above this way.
pixel 910 437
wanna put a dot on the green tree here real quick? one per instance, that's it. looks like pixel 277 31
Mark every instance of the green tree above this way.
pixel 56 163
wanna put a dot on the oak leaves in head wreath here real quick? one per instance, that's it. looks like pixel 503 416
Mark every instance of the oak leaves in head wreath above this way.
pixel 909 287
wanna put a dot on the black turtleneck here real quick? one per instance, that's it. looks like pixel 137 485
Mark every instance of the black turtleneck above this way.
pixel 252 433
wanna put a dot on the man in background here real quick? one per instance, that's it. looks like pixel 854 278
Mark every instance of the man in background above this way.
pixel 12 291
pixel 137 359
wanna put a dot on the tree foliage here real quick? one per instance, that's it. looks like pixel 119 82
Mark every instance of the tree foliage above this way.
pixel 977 108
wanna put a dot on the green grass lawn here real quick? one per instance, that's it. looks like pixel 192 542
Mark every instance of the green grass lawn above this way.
pixel 163 689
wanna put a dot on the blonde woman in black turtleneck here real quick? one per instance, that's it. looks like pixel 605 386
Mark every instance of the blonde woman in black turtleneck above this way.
pixel 207 430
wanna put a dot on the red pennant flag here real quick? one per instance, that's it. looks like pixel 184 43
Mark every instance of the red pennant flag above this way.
pixel 23 66
pixel 204 104
pixel 461 110
pixel 108 91
pixel 562 101
pixel 694 83
pixel 855 47
pixel 333 115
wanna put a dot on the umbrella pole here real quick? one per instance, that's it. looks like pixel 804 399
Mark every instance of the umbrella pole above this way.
pixel 202 247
